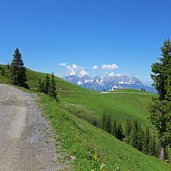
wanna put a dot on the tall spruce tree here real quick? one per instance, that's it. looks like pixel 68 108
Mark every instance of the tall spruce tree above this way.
pixel 160 108
pixel 18 71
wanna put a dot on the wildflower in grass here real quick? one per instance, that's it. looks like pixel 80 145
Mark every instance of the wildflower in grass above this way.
pixel 102 166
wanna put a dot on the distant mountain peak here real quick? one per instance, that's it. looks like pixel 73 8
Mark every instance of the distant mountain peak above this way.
pixel 105 83
pixel 108 82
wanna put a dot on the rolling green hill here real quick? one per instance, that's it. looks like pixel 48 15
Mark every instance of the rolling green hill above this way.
pixel 88 147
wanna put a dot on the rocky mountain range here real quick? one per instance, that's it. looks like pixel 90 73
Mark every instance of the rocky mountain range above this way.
pixel 108 82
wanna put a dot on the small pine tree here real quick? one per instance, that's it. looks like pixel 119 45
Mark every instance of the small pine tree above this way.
pixel 120 135
pixel 18 71
pixel 8 66
pixel 153 146
pixel 108 126
pixel 52 88
pixel 114 129
pixel 140 137
pixel 134 134
pixel 40 85
pixel 146 141
pixel 103 121
pixel 128 129
pixel 46 84
pixel 2 71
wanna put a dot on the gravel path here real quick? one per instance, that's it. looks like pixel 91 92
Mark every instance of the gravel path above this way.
pixel 26 142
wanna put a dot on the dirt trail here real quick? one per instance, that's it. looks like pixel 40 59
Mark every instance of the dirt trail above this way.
pixel 26 142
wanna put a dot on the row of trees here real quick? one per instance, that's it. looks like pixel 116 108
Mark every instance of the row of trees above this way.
pixel 141 139
pixel 48 86
pixel 112 127
pixel 18 76
pixel 133 134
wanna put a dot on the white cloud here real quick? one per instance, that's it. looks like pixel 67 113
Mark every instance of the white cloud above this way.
pixel 111 74
pixel 109 67
pixel 82 73
pixel 74 69
pixel 95 67
pixel 62 64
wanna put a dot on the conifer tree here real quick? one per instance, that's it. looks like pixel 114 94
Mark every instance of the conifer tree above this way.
pixel 46 84
pixel 18 71
pixel 108 125
pixel 160 107
pixel 128 128
pixel 120 135
pixel 153 146
pixel 52 88
pixel 40 85
pixel 146 141
pixel 103 121
pixel 140 137
pixel 3 71
pixel 134 135
pixel 114 128
pixel 8 66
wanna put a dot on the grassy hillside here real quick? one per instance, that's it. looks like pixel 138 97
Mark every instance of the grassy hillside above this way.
pixel 86 146
pixel 91 147
pixel 91 105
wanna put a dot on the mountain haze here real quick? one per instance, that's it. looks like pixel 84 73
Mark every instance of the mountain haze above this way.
pixel 108 82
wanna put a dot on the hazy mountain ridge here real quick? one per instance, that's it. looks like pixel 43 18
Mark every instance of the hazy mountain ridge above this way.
pixel 106 83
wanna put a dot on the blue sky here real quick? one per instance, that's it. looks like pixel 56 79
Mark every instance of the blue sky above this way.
pixel 82 33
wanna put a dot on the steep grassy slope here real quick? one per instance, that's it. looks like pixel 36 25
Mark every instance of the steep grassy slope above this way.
pixel 119 105
pixel 89 147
